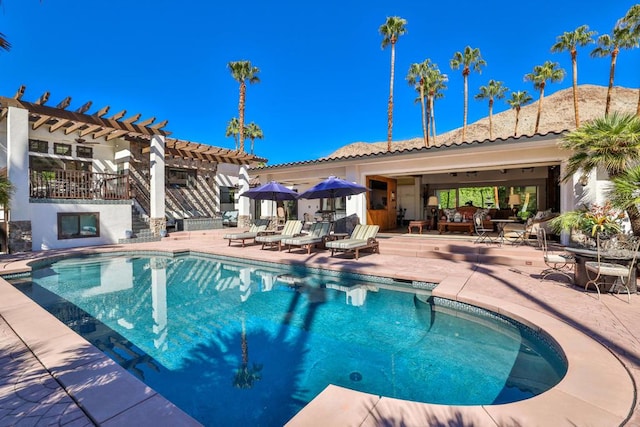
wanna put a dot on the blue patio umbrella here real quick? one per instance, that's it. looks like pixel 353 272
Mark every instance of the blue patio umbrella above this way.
pixel 271 191
pixel 331 188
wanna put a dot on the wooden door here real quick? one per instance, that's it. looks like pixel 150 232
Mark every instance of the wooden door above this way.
pixel 382 202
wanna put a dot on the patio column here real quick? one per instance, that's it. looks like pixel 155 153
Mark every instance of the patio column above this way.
pixel 19 234
pixel 244 205
pixel 157 220
pixel 571 192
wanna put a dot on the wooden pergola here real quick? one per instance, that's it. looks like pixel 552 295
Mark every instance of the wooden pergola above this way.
pixel 97 127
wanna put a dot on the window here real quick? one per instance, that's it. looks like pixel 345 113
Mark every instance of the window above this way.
pixel 40 164
pixel 62 149
pixel 38 146
pixel 181 177
pixel 228 194
pixel 86 152
pixel 78 225
pixel 377 194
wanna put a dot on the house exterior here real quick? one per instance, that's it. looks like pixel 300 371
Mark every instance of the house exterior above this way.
pixel 400 183
pixel 85 178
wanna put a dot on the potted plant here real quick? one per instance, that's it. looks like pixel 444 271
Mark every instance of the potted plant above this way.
pixel 590 221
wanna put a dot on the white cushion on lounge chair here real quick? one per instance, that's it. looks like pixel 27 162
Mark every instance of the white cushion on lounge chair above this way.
pixel 362 237
pixel 291 229
pixel 317 234
pixel 253 232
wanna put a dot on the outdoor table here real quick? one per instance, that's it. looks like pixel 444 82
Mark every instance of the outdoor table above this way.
pixel 456 226
pixel 583 255
pixel 418 224
pixel 500 224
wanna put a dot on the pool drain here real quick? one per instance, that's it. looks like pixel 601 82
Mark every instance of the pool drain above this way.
pixel 355 376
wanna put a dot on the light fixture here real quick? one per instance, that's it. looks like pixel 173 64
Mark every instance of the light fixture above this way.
pixel 514 200
pixel 584 180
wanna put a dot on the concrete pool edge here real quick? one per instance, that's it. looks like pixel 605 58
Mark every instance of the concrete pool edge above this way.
pixel 586 395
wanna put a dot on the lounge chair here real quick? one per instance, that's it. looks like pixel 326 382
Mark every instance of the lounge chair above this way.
pixel 318 233
pixel 362 237
pixel 254 231
pixel 291 229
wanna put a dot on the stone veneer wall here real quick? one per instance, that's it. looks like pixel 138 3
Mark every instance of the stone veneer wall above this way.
pixel 20 236
pixel 244 221
pixel 157 224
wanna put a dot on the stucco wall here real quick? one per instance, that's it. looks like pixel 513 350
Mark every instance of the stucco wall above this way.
pixel 115 218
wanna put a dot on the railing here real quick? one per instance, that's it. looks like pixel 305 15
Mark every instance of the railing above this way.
pixel 62 184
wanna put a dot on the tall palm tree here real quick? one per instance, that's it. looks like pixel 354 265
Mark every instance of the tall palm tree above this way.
pixel 609 45
pixel 631 20
pixel 4 43
pixel 435 83
pixel 253 132
pixel 494 90
pixel 548 71
pixel 611 142
pixel 243 72
pixel 570 41
pixel 469 60
pixel 233 129
pixel 391 30
pixel 518 100
pixel 416 78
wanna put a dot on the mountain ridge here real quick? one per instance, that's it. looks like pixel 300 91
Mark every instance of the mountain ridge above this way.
pixel 557 115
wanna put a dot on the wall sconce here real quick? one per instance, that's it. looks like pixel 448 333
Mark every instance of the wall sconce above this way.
pixel 393 196
pixel 584 180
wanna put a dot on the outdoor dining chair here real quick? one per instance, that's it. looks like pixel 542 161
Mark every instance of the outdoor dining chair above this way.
pixel 482 232
pixel 562 264
pixel 626 248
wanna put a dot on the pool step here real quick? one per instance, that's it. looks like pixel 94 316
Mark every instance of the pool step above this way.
pixel 506 254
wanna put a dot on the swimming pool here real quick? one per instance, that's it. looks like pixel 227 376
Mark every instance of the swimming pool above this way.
pixel 236 343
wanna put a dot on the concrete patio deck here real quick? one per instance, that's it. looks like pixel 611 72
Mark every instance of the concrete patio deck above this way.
pixel 49 375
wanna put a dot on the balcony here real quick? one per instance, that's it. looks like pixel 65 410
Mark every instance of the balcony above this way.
pixel 64 184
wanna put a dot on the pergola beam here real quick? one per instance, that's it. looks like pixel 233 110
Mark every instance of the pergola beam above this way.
pixel 42 120
pixel 85 107
pixel 64 103
pixel 43 99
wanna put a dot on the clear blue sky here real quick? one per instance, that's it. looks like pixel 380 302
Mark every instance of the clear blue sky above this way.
pixel 324 77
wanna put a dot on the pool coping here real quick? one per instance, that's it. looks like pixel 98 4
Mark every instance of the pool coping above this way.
pixel 597 389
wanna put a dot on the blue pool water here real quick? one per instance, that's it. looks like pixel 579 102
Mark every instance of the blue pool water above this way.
pixel 236 343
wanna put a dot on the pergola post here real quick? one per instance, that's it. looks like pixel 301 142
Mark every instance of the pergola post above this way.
pixel 157 220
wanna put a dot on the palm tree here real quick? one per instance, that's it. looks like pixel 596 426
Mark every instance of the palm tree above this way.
pixel 625 193
pixel 470 59
pixel 4 43
pixel 611 142
pixel 609 45
pixel 416 78
pixel 570 41
pixel 494 90
pixel 391 30
pixel 243 72
pixel 233 129
pixel 435 83
pixel 548 71
pixel 518 100
pixel 631 20
pixel 253 132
